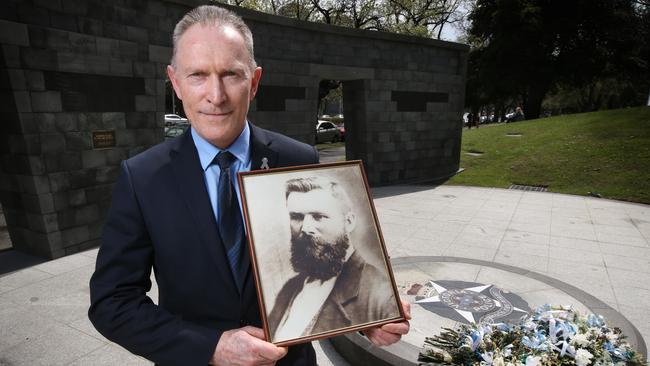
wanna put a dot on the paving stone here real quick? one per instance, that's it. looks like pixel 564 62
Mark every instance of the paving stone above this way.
pixel 608 230
pixel 541 297
pixel 478 240
pixel 585 232
pixel 19 324
pixel 416 246
pixel 628 278
pixel 486 253
pixel 65 264
pixel 60 346
pixel 64 298
pixel 509 246
pixel 22 278
pixel 627 251
pixel 635 241
pixel 531 262
pixel 527 237
pixel 109 355
pixel 576 255
pixel 532 216
pixel 436 236
pixel 573 243
pixel 510 281
pixel 621 262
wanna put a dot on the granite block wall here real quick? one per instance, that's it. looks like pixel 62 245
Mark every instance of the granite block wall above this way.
pixel 72 69
pixel 69 68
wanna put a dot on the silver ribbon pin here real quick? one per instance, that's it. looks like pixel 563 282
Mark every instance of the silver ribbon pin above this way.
pixel 265 164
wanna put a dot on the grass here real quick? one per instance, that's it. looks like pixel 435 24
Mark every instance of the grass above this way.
pixel 329 145
pixel 606 152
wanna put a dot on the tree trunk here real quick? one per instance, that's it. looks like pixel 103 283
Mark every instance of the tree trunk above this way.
pixel 533 101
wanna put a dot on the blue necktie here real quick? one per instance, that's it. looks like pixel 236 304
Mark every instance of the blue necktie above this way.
pixel 231 227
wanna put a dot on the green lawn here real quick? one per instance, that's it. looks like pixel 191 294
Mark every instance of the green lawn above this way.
pixel 605 152
pixel 329 145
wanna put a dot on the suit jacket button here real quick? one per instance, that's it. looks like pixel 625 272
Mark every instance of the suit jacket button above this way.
pixel 243 323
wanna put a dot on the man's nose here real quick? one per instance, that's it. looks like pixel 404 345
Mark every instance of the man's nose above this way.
pixel 216 93
pixel 309 225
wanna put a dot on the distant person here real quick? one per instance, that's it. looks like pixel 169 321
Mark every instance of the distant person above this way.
pixel 334 287
pixel 470 120
pixel 517 116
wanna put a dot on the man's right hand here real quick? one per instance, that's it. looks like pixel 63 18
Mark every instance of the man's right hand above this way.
pixel 246 347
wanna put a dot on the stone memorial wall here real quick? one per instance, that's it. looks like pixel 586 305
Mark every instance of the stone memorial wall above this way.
pixel 82 87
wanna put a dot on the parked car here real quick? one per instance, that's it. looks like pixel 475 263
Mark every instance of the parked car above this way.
pixel 327 131
pixel 174 119
pixel 175 130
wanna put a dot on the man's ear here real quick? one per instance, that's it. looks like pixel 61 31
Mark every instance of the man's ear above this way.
pixel 255 81
pixel 172 78
pixel 350 222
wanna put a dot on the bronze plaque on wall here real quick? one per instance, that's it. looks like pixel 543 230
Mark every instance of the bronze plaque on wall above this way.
pixel 103 139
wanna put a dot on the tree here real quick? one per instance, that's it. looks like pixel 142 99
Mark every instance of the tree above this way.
pixel 425 18
pixel 534 45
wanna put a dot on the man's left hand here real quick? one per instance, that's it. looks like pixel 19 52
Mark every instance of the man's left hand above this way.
pixel 391 333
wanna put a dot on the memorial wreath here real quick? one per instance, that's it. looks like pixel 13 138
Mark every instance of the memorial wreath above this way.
pixel 550 336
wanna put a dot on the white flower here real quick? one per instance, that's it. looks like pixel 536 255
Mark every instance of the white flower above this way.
pixel 583 357
pixel 612 337
pixel 580 339
pixel 532 360
pixel 498 361
pixel 447 357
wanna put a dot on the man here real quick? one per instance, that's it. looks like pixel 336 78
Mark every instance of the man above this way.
pixel 334 287
pixel 172 210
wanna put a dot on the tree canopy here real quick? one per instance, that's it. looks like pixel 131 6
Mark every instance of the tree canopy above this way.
pixel 522 49
pixel 426 18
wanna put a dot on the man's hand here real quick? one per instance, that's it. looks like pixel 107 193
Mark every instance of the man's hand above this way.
pixel 246 346
pixel 391 333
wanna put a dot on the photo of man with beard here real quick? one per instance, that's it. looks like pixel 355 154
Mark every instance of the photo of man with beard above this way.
pixel 335 287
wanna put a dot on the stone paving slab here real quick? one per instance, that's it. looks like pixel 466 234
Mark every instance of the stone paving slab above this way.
pixel 601 247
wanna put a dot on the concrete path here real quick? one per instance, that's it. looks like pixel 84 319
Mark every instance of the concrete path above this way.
pixel 600 246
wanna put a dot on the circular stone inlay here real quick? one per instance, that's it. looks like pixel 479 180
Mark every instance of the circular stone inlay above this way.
pixel 446 291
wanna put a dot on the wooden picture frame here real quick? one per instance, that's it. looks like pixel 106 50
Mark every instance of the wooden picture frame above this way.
pixel 319 259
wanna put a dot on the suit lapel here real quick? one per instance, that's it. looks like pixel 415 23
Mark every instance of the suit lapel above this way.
pixel 261 149
pixel 191 185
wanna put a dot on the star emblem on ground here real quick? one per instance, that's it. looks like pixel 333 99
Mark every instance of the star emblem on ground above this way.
pixel 469 302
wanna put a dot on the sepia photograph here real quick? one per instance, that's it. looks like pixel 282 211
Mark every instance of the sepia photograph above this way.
pixel 319 259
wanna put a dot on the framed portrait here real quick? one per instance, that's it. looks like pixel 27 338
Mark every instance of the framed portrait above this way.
pixel 318 255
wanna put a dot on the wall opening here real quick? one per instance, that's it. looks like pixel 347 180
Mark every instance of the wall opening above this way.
pixel 5 240
pixel 330 135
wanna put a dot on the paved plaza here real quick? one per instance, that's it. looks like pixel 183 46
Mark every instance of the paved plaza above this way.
pixel 535 247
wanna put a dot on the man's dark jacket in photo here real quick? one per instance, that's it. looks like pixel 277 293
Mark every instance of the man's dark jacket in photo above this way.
pixel 161 217
pixel 361 294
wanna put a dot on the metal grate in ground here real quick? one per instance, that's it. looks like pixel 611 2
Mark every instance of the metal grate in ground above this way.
pixel 522 187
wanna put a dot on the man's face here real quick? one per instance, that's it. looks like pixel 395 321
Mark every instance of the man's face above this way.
pixel 213 77
pixel 319 233
pixel 316 213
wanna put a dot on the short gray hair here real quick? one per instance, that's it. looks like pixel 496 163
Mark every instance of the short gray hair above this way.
pixel 304 185
pixel 217 16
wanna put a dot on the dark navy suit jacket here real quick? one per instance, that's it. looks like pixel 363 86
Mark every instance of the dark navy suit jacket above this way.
pixel 161 218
